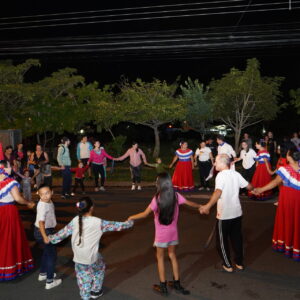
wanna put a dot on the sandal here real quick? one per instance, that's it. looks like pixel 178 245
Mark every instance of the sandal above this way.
pixel 227 270
pixel 240 267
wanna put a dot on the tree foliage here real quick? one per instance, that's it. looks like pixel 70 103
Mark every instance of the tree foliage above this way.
pixel 295 95
pixel 199 109
pixel 54 106
pixel 244 98
pixel 15 94
pixel 152 104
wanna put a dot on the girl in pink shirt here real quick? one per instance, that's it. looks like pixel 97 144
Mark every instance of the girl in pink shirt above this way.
pixel 165 206
pixel 137 156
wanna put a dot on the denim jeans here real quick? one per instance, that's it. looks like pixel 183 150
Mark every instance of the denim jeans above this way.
pixel 67 180
pixel 49 254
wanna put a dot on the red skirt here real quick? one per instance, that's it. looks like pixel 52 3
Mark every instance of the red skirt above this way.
pixel 15 255
pixel 183 176
pixel 260 178
pixel 286 235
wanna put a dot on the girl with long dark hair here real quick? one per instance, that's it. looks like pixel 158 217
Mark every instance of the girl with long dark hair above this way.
pixel 86 231
pixel 165 206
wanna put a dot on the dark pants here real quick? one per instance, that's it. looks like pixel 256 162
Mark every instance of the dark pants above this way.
pixel 98 170
pixel 230 230
pixel 78 181
pixel 204 168
pixel 49 254
pixel 136 174
pixel 48 181
pixel 248 174
pixel 84 161
pixel 67 180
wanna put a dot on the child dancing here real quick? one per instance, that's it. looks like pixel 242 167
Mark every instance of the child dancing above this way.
pixel 86 231
pixel 165 205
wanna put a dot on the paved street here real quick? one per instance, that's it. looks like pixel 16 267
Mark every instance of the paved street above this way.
pixel 130 257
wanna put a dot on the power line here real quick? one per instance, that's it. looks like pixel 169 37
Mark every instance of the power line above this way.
pixel 122 9
pixel 141 19
pixel 149 13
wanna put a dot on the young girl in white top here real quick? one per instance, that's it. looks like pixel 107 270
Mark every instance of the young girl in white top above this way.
pixel 86 231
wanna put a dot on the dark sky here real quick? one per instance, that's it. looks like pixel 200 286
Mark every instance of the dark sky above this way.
pixel 107 39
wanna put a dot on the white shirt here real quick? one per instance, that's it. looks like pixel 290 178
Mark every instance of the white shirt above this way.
pixel 45 211
pixel 87 252
pixel 229 182
pixel 84 150
pixel 203 153
pixel 248 158
pixel 226 149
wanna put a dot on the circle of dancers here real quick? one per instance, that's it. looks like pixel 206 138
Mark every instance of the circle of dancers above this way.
pixel 256 178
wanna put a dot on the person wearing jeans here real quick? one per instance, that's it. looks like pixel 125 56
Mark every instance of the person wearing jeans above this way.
pixel 137 157
pixel 97 161
pixel 49 255
pixel 44 225
pixel 64 161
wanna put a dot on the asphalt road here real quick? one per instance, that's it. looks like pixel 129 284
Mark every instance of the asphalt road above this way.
pixel 130 257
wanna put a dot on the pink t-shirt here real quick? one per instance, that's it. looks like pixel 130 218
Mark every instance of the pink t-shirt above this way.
pixel 166 233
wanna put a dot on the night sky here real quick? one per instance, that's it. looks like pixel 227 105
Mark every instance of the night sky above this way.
pixel 201 39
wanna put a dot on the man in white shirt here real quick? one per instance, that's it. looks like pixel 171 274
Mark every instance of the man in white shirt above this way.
pixel 229 211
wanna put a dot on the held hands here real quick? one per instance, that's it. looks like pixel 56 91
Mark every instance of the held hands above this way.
pixel 257 191
pixel 46 240
pixel 204 209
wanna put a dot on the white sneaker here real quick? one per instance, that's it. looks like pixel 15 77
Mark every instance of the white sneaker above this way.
pixel 102 188
pixel 133 187
pixel 53 284
pixel 44 277
pixel 139 188
pixel 201 188
pixel 72 194
pixel 208 189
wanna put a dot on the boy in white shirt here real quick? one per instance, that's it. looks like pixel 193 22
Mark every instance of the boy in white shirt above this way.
pixel 229 211
pixel 44 226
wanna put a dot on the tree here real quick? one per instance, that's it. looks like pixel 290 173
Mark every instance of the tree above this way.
pixel 199 109
pixel 15 94
pixel 152 104
pixel 103 108
pixel 295 95
pixel 244 98
pixel 54 106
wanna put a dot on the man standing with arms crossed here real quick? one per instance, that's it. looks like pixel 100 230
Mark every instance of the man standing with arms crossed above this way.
pixel 229 212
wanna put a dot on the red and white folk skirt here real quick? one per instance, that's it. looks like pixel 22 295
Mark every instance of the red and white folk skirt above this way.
pixel 286 235
pixel 261 178
pixel 183 176
pixel 15 255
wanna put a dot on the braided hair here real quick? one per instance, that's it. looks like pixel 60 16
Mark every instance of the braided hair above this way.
pixel 83 206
